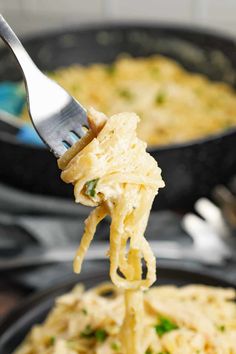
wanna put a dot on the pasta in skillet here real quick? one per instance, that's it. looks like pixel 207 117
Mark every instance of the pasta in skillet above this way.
pixel 189 320
pixel 174 105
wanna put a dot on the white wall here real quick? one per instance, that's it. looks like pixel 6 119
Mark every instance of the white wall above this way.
pixel 27 16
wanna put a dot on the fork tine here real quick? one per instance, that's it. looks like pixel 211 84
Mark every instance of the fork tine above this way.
pixel 58 149
pixel 70 139
pixel 79 131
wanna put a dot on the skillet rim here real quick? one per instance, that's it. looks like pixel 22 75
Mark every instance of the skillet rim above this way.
pixel 100 273
pixel 169 28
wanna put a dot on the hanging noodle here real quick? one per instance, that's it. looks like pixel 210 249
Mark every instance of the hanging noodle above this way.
pixel 111 170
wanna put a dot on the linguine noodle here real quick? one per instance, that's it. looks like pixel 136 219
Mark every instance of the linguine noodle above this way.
pixel 111 170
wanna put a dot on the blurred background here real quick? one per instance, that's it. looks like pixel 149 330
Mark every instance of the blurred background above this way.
pixel 34 16
pixel 193 221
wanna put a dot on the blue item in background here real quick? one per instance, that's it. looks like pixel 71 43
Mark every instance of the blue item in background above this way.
pixel 12 98
pixel 27 134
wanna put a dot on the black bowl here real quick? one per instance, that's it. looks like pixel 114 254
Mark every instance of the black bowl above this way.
pixel 190 170
pixel 17 324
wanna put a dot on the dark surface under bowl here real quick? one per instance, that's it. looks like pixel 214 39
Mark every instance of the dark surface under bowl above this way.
pixel 17 324
pixel 190 170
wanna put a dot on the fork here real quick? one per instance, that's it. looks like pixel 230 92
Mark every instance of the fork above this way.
pixel 58 118
pixel 209 230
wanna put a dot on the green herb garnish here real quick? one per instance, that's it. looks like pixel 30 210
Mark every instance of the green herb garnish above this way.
pixel 149 351
pixel 85 312
pixel 126 94
pixel 160 98
pixel 115 346
pixel 164 326
pixel 221 328
pixel 111 69
pixel 90 187
pixel 163 353
pixel 88 332
pixel 52 340
pixel 100 335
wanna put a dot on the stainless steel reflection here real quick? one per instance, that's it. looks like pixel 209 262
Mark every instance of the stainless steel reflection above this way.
pixel 209 231
pixel 58 118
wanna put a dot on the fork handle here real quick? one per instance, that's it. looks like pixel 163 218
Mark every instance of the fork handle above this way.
pixel 10 38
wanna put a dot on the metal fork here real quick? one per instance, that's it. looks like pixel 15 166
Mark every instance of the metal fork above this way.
pixel 58 118
pixel 209 232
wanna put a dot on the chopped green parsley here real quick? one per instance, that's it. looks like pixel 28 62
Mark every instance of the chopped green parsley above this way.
pixel 84 311
pixel 111 69
pixel 221 328
pixel 126 94
pixel 90 187
pixel 164 326
pixel 160 98
pixel 52 340
pixel 99 334
pixel 115 346
pixel 88 332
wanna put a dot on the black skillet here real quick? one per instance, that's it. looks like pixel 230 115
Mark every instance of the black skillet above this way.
pixel 190 170
pixel 17 324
